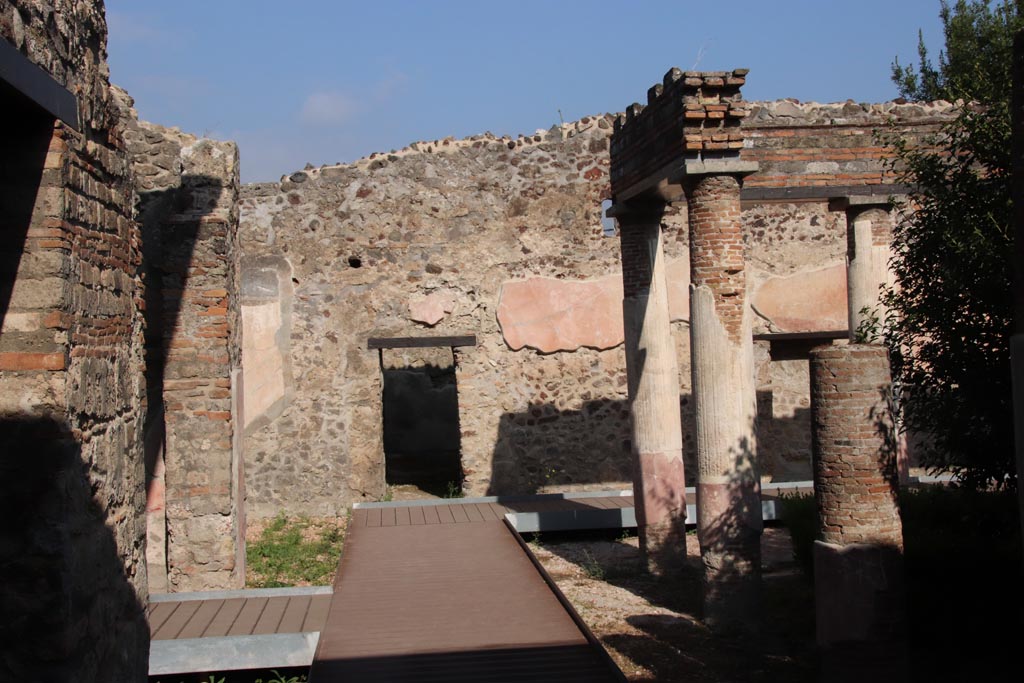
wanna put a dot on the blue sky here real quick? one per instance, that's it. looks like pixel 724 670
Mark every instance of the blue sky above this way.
pixel 324 82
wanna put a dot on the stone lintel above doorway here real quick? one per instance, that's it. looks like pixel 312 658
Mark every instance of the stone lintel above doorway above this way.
pixel 419 342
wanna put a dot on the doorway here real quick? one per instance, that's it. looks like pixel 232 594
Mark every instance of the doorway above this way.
pixel 421 420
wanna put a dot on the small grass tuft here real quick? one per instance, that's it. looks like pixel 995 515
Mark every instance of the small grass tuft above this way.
pixel 591 567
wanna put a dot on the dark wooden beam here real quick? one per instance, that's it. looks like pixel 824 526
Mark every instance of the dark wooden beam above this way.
pixel 819 193
pixel 37 85
pixel 822 335
pixel 419 342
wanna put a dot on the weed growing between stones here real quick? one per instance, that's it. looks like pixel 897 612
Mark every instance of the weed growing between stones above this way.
pixel 591 567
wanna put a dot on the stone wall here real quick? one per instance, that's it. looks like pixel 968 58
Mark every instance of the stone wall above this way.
pixel 187 191
pixel 500 237
pixel 807 145
pixel 72 573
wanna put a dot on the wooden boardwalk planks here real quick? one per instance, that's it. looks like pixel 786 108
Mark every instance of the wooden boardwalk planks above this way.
pixel 458 600
pixel 241 616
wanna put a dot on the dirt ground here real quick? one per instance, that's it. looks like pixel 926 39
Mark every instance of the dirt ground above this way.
pixel 651 626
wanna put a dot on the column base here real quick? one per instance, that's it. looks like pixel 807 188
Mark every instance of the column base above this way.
pixel 659 493
pixel 663 547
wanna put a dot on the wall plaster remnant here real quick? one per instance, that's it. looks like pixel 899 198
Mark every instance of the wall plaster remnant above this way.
pixel 549 315
pixel 804 301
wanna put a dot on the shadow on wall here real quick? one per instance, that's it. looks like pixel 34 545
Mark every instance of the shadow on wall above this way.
pixel 167 254
pixel 21 173
pixel 62 582
pixel 166 257
pixel 547 448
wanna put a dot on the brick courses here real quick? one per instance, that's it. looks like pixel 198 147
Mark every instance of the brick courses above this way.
pixel 688 113
pixel 717 258
pixel 855 479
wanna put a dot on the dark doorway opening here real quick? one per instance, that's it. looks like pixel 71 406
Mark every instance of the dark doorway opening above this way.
pixel 421 425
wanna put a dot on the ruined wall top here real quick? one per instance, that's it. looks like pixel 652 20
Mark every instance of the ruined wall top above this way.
pixel 793 113
pixel 777 117
pixel 690 114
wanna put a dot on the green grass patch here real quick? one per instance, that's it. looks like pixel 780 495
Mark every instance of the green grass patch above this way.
pixel 294 552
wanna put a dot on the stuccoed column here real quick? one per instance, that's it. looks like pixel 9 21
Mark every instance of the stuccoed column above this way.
pixel 653 375
pixel 868 235
pixel 728 485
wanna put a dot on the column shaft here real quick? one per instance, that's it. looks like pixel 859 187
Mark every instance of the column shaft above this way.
pixel 728 486
pixel 653 376
pixel 858 557
pixel 868 233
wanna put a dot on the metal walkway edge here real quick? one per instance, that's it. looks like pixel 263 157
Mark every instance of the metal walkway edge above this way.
pixel 439 593
pixel 571 511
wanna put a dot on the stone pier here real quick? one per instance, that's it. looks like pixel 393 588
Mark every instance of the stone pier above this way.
pixel 728 485
pixel 858 557
pixel 653 381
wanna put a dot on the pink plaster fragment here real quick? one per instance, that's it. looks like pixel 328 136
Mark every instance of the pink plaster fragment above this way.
pixel 551 315
pixel 432 308
pixel 805 302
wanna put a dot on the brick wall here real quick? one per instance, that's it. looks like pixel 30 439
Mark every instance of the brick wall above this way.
pixel 72 577
pixel 828 145
pixel 187 197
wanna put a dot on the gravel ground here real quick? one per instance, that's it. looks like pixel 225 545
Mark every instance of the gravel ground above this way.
pixel 651 627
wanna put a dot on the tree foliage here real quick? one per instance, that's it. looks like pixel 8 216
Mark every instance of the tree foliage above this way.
pixel 975 64
pixel 952 309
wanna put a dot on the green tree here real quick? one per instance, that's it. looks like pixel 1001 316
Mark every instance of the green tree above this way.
pixel 952 310
pixel 975 64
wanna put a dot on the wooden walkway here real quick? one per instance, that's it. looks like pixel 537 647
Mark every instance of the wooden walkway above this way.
pixel 237 616
pixel 449 593
pixel 478 573
pixel 230 630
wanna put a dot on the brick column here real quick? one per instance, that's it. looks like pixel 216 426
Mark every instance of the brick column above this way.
pixel 653 375
pixel 728 486
pixel 858 559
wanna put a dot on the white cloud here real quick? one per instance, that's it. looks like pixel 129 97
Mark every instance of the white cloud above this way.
pixel 327 108
pixel 389 86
